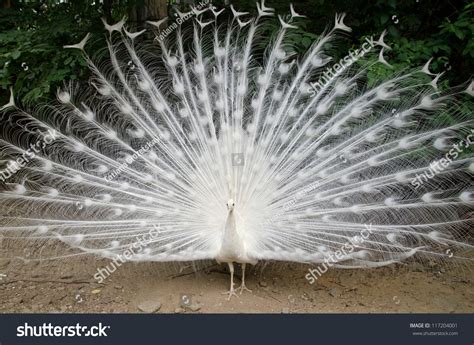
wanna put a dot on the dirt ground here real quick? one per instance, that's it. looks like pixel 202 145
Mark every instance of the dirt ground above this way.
pixel 68 285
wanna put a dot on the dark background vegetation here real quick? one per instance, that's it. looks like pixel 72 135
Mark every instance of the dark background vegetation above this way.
pixel 32 34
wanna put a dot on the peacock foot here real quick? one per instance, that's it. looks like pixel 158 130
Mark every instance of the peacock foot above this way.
pixel 243 287
pixel 231 293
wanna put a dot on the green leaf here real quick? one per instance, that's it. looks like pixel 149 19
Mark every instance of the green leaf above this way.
pixel 15 55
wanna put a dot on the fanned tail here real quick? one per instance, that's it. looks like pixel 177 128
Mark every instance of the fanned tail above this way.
pixel 320 164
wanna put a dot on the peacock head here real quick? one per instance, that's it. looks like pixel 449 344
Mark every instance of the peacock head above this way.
pixel 230 205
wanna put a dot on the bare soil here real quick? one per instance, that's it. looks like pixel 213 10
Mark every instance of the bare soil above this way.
pixel 68 286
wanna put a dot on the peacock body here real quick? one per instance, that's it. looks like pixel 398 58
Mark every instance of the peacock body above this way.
pixel 220 149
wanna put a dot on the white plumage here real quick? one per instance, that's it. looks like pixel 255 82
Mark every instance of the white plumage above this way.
pixel 223 151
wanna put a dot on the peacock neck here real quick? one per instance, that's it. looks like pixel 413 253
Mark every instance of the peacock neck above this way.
pixel 230 230
pixel 231 220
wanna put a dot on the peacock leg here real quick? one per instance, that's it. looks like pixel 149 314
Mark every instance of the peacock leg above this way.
pixel 231 292
pixel 242 286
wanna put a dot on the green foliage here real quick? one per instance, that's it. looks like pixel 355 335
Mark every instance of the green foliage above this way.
pixel 417 30
pixel 32 58
pixel 31 55
pixel 451 46
pixel 34 63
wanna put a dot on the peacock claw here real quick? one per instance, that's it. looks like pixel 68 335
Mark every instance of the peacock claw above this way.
pixel 242 288
pixel 231 293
